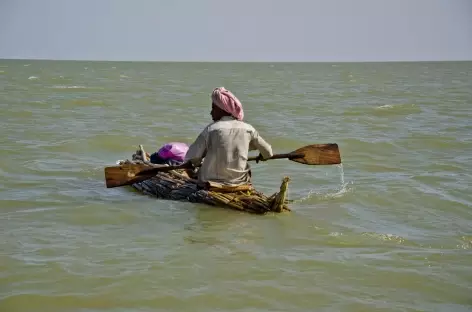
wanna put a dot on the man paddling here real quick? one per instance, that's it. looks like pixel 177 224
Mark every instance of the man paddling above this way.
pixel 222 147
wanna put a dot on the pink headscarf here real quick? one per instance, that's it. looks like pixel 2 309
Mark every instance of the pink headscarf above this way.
pixel 228 102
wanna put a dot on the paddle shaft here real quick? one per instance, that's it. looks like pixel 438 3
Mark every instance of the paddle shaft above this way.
pixel 279 156
pixel 187 165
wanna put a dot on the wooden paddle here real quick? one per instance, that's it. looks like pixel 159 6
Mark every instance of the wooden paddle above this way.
pixel 127 174
pixel 316 154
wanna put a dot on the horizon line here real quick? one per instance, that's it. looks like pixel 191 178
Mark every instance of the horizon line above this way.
pixel 228 61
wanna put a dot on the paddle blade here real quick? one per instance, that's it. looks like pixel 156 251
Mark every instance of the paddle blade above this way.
pixel 125 174
pixel 318 154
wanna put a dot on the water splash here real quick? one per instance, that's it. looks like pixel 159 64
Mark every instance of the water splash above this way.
pixel 385 237
pixel 343 189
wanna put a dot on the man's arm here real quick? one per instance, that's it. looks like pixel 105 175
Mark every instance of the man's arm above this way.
pixel 197 150
pixel 257 142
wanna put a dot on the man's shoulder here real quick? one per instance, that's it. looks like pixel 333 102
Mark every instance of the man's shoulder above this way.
pixel 230 124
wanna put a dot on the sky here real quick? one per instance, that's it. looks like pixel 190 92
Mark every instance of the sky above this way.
pixel 237 30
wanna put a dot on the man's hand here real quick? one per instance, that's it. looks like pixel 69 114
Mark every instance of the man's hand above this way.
pixel 194 162
pixel 260 158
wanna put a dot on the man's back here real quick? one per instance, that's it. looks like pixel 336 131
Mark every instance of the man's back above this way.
pixel 224 145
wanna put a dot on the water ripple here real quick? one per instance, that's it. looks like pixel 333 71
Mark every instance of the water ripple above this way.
pixel 389 229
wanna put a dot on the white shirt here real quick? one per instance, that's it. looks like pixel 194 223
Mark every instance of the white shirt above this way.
pixel 223 146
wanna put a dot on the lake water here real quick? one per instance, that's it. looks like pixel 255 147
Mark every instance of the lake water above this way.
pixel 389 230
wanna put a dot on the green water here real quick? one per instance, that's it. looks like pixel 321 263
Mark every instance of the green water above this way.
pixel 390 230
